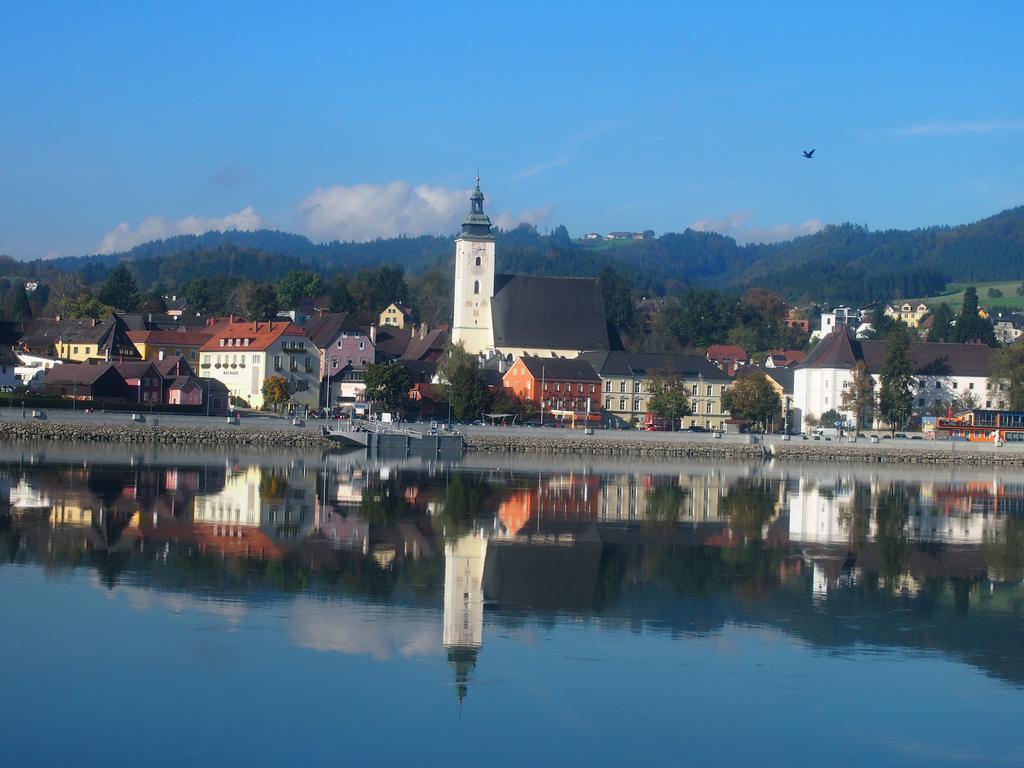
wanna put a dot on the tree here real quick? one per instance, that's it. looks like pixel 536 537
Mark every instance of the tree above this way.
pixel 338 297
pixel 752 397
pixel 832 419
pixel 275 391
pixel 670 398
pixel 462 382
pixel 120 290
pixel 942 323
pixel 261 303
pixel 970 325
pixel 153 302
pixel 20 308
pixel 966 401
pixel 297 285
pixel 387 385
pixel 1008 372
pixel 859 397
pixel 618 299
pixel 84 305
pixel 897 393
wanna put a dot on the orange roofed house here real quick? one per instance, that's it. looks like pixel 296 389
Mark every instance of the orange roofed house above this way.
pixel 567 388
pixel 242 355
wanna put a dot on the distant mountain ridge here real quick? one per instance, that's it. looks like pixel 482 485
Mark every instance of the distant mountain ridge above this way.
pixel 845 262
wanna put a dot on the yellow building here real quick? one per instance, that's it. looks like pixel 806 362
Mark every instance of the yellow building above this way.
pixel 154 346
pixel 908 312
pixel 396 315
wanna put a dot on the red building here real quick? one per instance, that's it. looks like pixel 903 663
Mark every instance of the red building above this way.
pixel 566 388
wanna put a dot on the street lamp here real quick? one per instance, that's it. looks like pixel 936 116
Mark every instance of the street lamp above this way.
pixel 542 395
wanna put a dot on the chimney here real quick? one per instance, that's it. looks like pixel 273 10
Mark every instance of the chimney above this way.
pixel 373 333
pixel 93 323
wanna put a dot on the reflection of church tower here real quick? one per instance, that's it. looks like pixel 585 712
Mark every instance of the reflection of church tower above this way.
pixel 474 278
pixel 463 605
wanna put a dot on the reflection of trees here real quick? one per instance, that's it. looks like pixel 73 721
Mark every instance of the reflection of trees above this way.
pixel 665 503
pixel 464 500
pixel 749 507
pixel 891 516
pixel 383 502
pixel 1004 554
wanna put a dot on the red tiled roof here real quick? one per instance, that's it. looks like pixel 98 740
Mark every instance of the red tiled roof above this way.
pixel 260 335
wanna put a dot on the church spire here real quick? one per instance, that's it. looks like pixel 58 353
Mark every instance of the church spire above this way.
pixel 477 223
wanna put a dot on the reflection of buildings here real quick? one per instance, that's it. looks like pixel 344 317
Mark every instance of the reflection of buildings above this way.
pixel 938 513
pixel 626 497
pixel 277 502
pixel 562 498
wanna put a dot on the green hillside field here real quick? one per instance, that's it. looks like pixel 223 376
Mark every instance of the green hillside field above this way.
pixel 954 295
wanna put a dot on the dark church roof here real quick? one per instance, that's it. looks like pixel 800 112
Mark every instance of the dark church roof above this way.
pixel 556 313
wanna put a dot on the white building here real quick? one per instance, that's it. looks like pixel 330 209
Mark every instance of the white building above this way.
pixel 837 318
pixel 243 355
pixel 518 315
pixel 30 369
pixel 944 372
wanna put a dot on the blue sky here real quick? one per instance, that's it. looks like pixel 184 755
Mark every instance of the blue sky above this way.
pixel 124 121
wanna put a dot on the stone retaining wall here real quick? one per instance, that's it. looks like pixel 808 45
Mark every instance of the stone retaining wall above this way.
pixel 791 451
pixel 140 433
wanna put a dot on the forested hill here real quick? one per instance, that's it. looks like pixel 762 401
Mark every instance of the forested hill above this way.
pixel 844 263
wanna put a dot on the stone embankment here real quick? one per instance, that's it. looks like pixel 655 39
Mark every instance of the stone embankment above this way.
pixel 797 451
pixel 165 435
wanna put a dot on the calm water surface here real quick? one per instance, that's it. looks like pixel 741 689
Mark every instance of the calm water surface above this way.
pixel 185 608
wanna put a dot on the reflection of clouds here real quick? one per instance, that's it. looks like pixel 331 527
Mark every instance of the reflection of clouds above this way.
pixel 360 628
pixel 141 599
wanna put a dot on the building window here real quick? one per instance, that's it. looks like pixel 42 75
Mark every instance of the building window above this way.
pixel 622 403
pixel 476 286
pixel 636 387
pixel 592 389
pixel 709 390
pixel 277 362
pixel 707 408
pixel 693 389
pixel 478 261
pixel 255 359
pixel 970 385
pixel 622 386
pixel 636 405
pixel 954 384
pixel 608 403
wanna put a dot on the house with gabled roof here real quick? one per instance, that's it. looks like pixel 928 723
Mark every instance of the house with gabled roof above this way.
pixel 944 372
pixel 242 355
pixel 626 385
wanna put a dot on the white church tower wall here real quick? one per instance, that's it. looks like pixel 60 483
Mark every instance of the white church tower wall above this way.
pixel 474 279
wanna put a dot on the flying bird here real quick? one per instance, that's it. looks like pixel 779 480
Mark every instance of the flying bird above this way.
pixel 809 155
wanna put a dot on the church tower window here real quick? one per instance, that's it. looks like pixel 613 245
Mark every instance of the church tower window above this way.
pixel 476 286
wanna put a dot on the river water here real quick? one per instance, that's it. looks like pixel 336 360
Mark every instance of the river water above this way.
pixel 174 607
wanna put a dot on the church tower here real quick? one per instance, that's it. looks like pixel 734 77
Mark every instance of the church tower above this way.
pixel 474 279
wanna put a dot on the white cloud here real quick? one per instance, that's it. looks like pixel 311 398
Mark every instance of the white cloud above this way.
pixel 364 630
pixel 529 216
pixel 947 129
pixel 122 237
pixel 738 225
pixel 366 211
